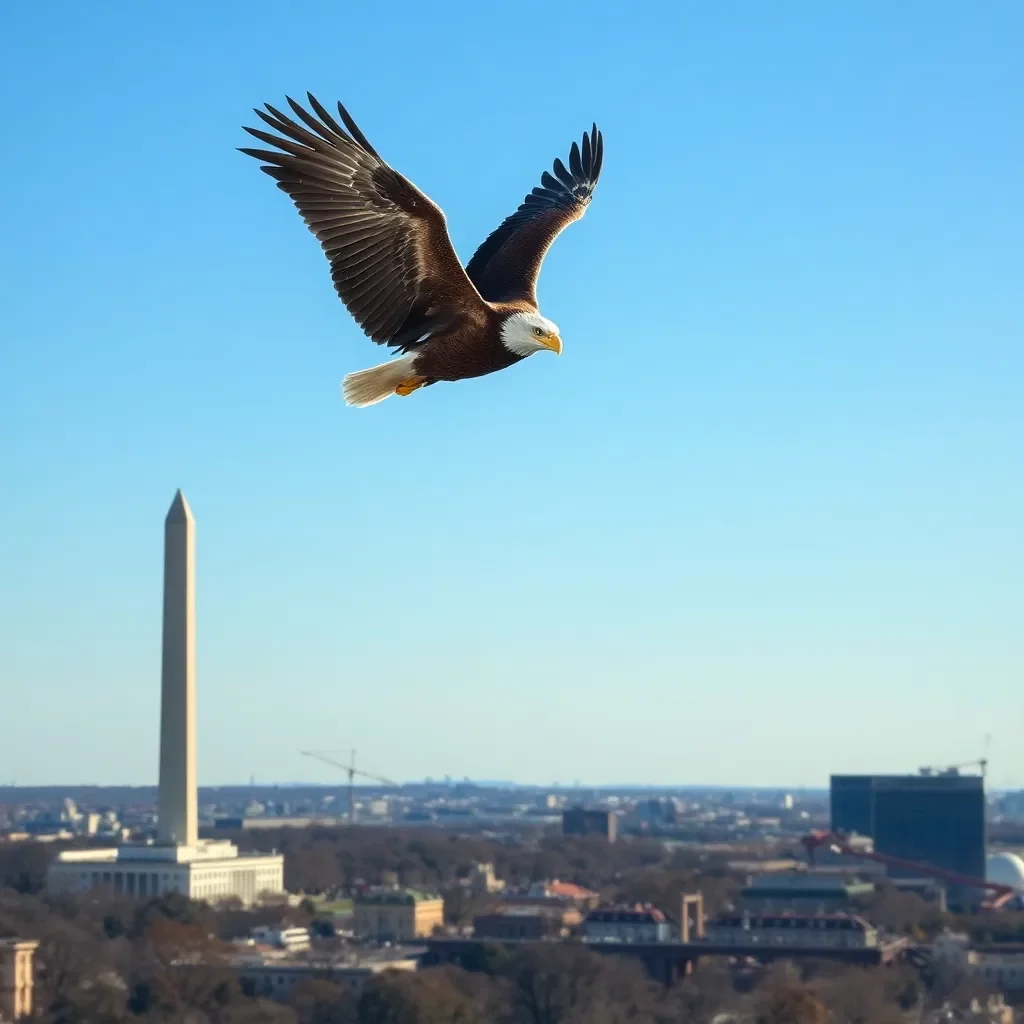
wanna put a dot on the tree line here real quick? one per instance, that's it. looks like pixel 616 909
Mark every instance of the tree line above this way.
pixel 334 861
pixel 104 959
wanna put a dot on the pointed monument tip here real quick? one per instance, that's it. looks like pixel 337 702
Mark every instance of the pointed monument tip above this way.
pixel 179 511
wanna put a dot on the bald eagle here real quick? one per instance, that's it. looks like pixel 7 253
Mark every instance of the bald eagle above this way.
pixel 394 265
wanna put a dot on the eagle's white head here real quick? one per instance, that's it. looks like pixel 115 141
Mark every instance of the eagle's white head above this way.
pixel 526 333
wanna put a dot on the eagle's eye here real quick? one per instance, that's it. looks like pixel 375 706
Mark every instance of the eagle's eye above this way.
pixel 539 331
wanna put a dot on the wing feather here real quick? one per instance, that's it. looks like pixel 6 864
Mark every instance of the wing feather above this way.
pixel 392 261
pixel 507 264
pixel 575 164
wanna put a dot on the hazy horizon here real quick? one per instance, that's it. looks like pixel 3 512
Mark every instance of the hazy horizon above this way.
pixel 480 783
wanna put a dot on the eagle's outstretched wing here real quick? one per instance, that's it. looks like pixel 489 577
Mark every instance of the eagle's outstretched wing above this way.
pixel 507 264
pixel 391 259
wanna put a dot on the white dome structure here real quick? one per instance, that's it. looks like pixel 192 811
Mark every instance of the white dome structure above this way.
pixel 1006 869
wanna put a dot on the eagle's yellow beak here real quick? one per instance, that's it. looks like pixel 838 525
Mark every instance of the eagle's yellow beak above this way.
pixel 553 342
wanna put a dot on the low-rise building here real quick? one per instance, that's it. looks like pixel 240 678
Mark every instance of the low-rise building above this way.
pixel 529 923
pixel 1001 971
pixel 554 893
pixel 483 881
pixel 992 1010
pixel 931 890
pixel 397 915
pixel 805 893
pixel 210 870
pixel 774 866
pixel 834 931
pixel 569 916
pixel 952 957
pixel 291 939
pixel 275 978
pixel 16 978
pixel 637 923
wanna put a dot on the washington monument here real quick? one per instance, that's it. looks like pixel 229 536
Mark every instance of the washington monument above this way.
pixel 179 861
pixel 178 821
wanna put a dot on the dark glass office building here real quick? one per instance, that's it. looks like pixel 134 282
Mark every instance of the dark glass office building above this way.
pixel 852 804
pixel 938 819
pixel 578 821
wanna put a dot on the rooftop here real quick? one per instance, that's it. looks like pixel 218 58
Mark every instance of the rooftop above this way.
pixel 787 920
pixel 801 885
pixel 570 891
pixel 554 890
pixel 529 910
pixel 394 897
pixel 628 912
pixel 369 960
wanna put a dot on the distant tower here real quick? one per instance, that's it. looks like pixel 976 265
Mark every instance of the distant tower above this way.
pixel 178 822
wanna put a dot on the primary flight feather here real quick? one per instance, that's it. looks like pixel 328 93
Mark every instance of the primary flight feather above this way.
pixel 394 266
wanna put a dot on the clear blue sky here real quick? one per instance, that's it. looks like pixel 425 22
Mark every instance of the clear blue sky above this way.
pixel 762 521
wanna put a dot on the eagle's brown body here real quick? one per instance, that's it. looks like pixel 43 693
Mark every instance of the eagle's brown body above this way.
pixel 393 263
pixel 470 349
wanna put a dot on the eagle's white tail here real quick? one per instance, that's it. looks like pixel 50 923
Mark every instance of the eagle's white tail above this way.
pixel 367 387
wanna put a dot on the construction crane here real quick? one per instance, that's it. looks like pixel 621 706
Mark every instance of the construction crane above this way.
pixel 327 756
pixel 954 769
pixel 999 896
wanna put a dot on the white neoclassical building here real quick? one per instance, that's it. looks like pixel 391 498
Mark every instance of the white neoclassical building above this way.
pixel 212 870
pixel 179 861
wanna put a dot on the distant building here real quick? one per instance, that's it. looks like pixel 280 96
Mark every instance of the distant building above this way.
pixel 952 958
pixel 242 824
pixel 418 817
pixel 555 892
pixel 210 871
pixel 482 879
pixel 291 939
pixel 637 923
pixel 832 931
pixel 1012 805
pixel 1002 971
pixel 804 893
pixel 934 819
pixel 852 804
pixel 529 923
pixel 275 978
pixel 657 813
pixel 397 915
pixel 16 978
pixel 776 865
pixel 1007 869
pixel 579 895
pixel 829 858
pixel 992 1010
pixel 930 890
pixel 579 821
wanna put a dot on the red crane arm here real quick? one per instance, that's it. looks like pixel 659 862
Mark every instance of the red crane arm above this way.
pixel 1001 894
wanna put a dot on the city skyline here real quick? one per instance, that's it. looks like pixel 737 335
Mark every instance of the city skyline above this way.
pixel 794 551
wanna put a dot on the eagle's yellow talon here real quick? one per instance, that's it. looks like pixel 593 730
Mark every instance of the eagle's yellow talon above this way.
pixel 407 387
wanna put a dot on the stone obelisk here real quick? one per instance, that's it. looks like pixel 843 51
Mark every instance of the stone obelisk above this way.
pixel 178 822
